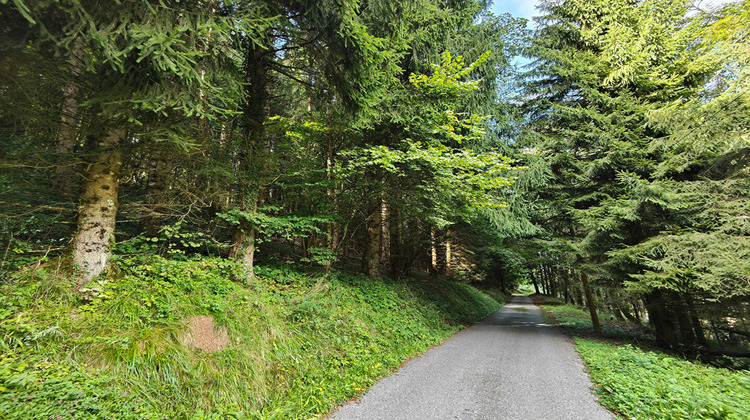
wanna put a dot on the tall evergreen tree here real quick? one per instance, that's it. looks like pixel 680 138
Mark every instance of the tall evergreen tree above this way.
pixel 601 72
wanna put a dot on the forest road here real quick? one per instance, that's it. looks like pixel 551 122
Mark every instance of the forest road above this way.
pixel 511 365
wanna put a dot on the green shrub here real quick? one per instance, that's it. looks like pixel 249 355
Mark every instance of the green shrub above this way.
pixel 651 385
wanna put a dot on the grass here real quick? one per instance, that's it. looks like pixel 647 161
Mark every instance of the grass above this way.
pixel 300 343
pixel 577 321
pixel 637 381
pixel 648 384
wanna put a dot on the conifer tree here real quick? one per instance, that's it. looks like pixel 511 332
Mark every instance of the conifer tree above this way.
pixel 601 72
pixel 132 66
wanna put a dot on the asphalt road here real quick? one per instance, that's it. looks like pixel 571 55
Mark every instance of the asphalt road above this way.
pixel 509 366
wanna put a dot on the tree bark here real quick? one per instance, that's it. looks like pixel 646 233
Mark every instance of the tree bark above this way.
pixel 371 258
pixel 65 177
pixel 250 188
pixel 385 234
pixel 440 260
pixel 94 239
pixel 243 249
pixel 448 252
pixel 534 282
pixel 590 303
pixel 331 228
pixel 159 172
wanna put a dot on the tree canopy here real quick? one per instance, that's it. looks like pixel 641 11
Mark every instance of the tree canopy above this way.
pixel 392 137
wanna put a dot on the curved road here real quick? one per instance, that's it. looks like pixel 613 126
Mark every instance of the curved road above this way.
pixel 509 366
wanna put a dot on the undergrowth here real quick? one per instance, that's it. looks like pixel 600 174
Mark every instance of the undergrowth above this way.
pixel 637 381
pixel 577 321
pixel 300 342
pixel 649 384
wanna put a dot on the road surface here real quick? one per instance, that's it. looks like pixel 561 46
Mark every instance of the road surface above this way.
pixel 509 366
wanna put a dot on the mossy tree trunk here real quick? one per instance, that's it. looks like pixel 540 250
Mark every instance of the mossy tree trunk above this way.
pixel 94 239
pixel 250 188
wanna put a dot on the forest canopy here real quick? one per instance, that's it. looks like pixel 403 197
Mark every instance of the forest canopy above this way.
pixel 391 137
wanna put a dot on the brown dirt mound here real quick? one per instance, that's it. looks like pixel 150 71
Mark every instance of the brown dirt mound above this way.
pixel 203 334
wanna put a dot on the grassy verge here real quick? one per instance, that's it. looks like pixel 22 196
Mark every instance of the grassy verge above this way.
pixel 637 381
pixel 297 343
pixel 648 384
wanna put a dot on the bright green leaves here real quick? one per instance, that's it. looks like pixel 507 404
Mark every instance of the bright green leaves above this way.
pixel 264 222
pixel 457 182
pixel 451 182
pixel 446 78
pixel 642 384
pixel 452 127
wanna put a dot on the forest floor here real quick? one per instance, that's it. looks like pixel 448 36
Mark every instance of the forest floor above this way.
pixel 511 365
pixel 164 338
pixel 635 379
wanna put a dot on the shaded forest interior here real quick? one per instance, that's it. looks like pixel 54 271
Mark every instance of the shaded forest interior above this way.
pixel 391 138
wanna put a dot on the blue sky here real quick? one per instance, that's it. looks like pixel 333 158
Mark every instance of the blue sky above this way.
pixel 519 8
pixel 526 8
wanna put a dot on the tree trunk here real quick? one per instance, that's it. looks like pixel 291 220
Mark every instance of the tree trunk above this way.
pixel 448 251
pixel 590 303
pixel 385 234
pixel 371 258
pixel 629 316
pixel 159 171
pixel 553 282
pixel 243 249
pixel 396 244
pixel 637 312
pixel 433 252
pixel 331 229
pixel 65 177
pixel 94 239
pixel 440 252
pixel 534 282
pixel 661 319
pixel 686 333
pixel 250 189
pixel 695 321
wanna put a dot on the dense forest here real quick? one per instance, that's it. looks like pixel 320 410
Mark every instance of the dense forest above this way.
pixel 390 138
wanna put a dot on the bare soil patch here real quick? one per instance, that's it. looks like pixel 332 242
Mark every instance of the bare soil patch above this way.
pixel 205 335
